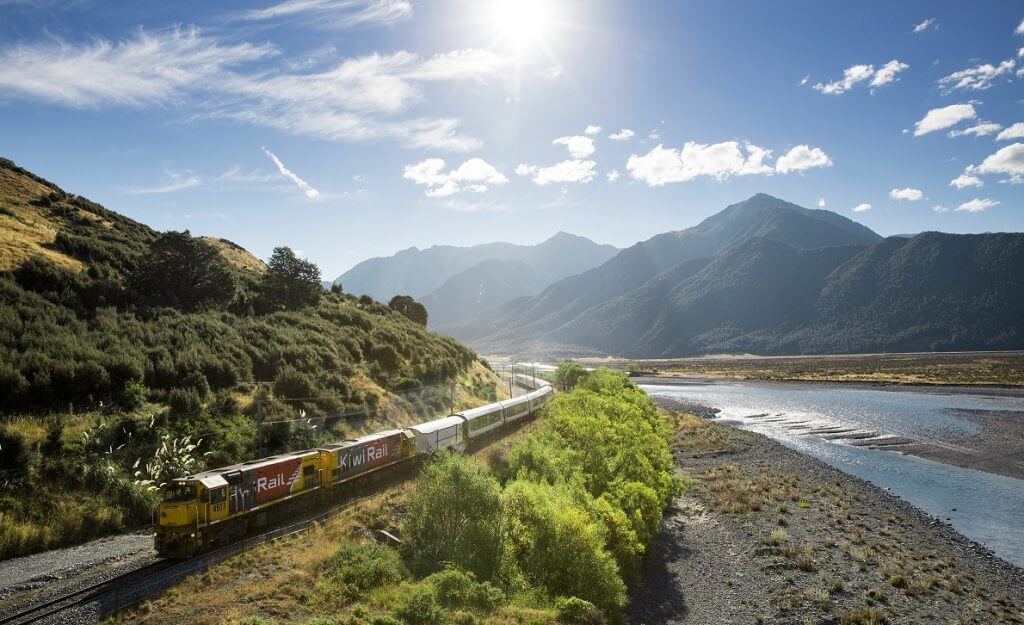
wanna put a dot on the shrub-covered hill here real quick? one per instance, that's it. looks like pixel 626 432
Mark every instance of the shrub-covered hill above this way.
pixel 117 342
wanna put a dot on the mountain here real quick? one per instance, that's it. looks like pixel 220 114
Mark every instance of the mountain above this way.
pixel 761 216
pixel 769 277
pixel 482 287
pixel 420 272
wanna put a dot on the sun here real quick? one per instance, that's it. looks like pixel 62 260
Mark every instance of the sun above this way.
pixel 521 23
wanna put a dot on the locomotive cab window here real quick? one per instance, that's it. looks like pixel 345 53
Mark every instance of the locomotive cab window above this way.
pixel 219 495
pixel 180 492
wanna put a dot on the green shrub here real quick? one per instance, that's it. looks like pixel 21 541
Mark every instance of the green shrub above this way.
pixel 358 569
pixel 456 588
pixel 576 611
pixel 185 402
pixel 417 605
pixel 454 517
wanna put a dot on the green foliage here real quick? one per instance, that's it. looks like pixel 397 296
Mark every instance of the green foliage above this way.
pixel 410 308
pixel 290 283
pixel 559 546
pixel 454 517
pixel 456 588
pixel 568 374
pixel 358 569
pixel 418 605
pixel 576 611
pixel 184 272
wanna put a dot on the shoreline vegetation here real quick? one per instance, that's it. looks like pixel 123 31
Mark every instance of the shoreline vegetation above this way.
pixel 546 526
pixel 991 369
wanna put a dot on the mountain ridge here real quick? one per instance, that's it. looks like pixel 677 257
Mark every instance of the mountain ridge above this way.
pixel 767 276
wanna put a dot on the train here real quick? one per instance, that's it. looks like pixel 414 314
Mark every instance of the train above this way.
pixel 211 509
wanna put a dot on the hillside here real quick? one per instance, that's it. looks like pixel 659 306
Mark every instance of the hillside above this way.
pixel 418 272
pixel 128 356
pixel 535 319
pixel 768 277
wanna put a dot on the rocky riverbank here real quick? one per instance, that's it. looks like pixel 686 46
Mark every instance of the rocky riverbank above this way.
pixel 767 535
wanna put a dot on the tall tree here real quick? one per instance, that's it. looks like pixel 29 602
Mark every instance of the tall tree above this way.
pixel 290 282
pixel 409 307
pixel 184 272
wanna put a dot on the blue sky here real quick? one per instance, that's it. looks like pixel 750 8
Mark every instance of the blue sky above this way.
pixel 323 124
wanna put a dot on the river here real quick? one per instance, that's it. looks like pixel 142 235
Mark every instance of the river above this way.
pixel 985 507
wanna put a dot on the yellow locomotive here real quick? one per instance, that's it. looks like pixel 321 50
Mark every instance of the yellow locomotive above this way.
pixel 211 509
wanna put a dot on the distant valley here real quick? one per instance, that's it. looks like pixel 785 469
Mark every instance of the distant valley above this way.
pixel 459 283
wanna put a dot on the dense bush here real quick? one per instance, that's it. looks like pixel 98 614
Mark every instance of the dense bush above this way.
pixel 582 499
pixel 454 517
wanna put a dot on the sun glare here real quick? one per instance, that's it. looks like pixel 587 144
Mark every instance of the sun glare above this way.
pixel 521 23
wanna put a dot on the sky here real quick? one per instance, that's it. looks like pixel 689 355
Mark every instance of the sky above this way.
pixel 348 129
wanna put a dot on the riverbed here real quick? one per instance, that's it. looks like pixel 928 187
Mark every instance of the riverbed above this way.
pixel 983 506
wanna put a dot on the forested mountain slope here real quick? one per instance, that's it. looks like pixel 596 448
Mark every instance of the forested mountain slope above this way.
pixel 768 277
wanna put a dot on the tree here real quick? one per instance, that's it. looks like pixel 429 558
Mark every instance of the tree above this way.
pixel 185 272
pixel 568 375
pixel 454 517
pixel 410 308
pixel 290 282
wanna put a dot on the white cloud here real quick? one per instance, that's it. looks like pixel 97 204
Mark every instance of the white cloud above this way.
pixel 931 22
pixel 938 208
pixel 574 170
pixel 804 80
pixel 359 99
pixel 856 74
pixel 623 135
pixel 1007 160
pixel 310 192
pixel 613 175
pixel 851 76
pixel 579 146
pixel 976 78
pixel 592 130
pixel 340 12
pixel 174 181
pixel 719 161
pixel 146 69
pixel 907 194
pixel 474 176
pixel 861 208
pixel 1020 28
pixel 887 73
pixel 1015 131
pixel 977 206
pixel 821 202
pixel 654 136
pixel 966 180
pixel 553 73
pixel 978 130
pixel 942 118
pixel 802 157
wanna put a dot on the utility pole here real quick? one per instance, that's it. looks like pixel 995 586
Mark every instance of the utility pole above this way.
pixel 511 376
pixel 259 425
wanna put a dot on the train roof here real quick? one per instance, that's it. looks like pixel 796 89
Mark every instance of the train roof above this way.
pixel 215 476
pixel 437 424
pixel 362 439
pixel 473 413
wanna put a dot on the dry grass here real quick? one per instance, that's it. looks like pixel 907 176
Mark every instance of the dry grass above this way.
pixel 237 255
pixel 698 436
pixel 24 229
pixel 931 369
pixel 733 491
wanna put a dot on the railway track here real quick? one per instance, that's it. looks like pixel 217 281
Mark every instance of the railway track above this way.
pixel 129 588
pixel 81 596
